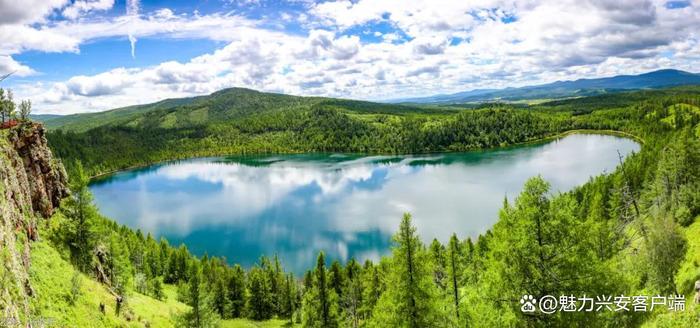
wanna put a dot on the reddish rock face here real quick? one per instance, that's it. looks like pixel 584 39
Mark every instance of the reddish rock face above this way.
pixel 46 177
pixel 8 124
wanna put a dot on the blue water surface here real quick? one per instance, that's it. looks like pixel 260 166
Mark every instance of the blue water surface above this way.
pixel 345 205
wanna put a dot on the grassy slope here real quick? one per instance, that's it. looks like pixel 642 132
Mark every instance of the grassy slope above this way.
pixel 86 121
pixel 687 275
pixel 51 277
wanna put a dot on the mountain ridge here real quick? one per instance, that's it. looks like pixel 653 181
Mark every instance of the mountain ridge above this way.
pixel 565 89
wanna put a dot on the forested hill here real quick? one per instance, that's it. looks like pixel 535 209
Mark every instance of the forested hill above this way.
pixel 219 106
pixel 237 121
pixel 242 121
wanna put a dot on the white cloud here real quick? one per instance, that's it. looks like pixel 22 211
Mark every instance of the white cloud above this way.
pixel 80 7
pixel 435 46
pixel 9 65
pixel 27 11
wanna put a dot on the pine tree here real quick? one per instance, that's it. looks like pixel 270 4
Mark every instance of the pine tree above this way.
pixel 539 246
pixel 260 302
pixel 411 299
pixel 158 289
pixel 222 305
pixel 337 278
pixel 277 280
pixel 81 213
pixel 320 302
pixel 288 297
pixel 665 247
pixel 352 294
pixel 371 289
pixel 454 270
pixel 119 268
pixel 437 253
pixel 236 291
pixel 201 314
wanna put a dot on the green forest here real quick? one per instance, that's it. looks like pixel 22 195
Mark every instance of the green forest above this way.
pixel 633 231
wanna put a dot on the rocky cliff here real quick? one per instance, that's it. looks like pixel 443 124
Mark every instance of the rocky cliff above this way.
pixel 32 185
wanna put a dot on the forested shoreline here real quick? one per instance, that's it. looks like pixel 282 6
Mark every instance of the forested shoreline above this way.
pixel 620 233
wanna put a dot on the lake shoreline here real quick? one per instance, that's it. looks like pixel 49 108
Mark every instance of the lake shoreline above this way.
pixel 296 205
pixel 553 137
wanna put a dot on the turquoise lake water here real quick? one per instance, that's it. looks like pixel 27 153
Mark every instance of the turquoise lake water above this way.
pixel 346 205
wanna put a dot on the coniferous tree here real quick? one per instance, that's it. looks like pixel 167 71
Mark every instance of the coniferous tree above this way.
pixel 411 299
pixel 81 213
pixel 236 291
pixel 371 289
pixel 277 280
pixel 352 294
pixel 222 305
pixel 337 278
pixel 158 292
pixel 288 297
pixel 539 246
pixel 437 253
pixel 320 301
pixel 469 262
pixel 454 270
pixel 119 268
pixel 260 302
pixel 665 248
pixel 201 313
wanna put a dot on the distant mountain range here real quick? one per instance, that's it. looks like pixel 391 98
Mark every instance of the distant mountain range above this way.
pixel 566 89
pixel 231 102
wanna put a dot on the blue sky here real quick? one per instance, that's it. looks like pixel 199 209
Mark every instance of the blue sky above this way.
pixel 76 55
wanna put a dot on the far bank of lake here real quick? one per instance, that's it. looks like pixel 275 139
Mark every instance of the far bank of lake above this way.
pixel 346 205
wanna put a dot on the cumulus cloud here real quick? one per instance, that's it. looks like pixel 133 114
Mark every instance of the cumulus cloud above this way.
pixel 27 11
pixel 429 46
pixel 98 85
pixel 9 65
pixel 432 46
pixel 80 7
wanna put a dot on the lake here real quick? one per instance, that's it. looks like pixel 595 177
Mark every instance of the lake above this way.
pixel 347 205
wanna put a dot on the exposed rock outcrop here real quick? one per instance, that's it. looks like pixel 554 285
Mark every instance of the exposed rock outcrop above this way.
pixel 46 177
pixel 32 185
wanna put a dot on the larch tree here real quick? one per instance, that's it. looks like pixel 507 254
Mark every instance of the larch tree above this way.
pixel 454 271
pixel 437 254
pixel 320 308
pixel 412 299
pixel 236 292
pixel 260 302
pixel 352 294
pixel 201 313
pixel 81 213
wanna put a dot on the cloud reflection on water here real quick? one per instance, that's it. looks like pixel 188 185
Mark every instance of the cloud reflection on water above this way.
pixel 297 205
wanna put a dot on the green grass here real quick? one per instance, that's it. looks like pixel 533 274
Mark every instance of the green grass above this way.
pixel 685 281
pixel 245 323
pixel 689 272
pixel 51 277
